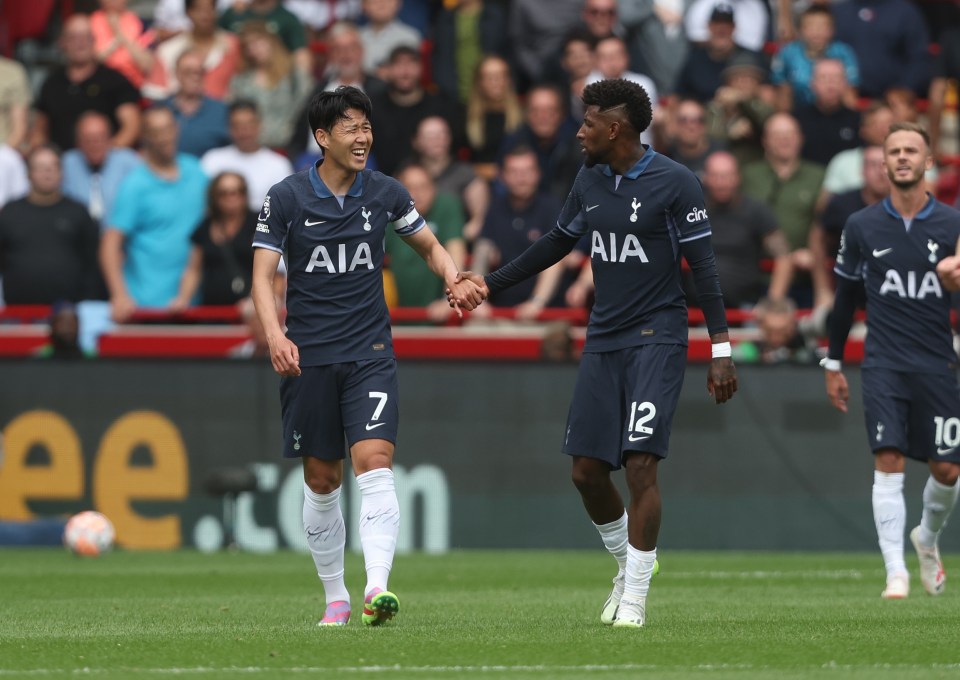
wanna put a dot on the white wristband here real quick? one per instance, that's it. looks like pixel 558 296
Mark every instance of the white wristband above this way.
pixel 719 350
pixel 831 365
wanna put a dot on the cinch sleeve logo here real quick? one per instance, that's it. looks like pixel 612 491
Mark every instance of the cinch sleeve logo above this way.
pixel 696 215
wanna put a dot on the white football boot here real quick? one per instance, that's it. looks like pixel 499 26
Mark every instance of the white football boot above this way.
pixel 898 587
pixel 932 576
pixel 608 613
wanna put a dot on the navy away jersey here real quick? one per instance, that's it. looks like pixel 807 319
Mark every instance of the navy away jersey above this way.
pixel 334 256
pixel 908 312
pixel 637 225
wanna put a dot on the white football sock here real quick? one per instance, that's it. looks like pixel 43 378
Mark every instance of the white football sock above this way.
pixel 379 525
pixel 614 537
pixel 890 516
pixel 938 502
pixel 327 537
pixel 638 574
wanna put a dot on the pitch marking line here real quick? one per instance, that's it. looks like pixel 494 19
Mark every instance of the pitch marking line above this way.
pixel 255 670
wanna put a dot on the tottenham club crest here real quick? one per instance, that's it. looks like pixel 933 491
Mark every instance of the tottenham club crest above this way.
pixel 635 204
pixel 933 248
pixel 366 218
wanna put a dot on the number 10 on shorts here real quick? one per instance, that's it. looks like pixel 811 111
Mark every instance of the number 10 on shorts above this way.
pixel 948 433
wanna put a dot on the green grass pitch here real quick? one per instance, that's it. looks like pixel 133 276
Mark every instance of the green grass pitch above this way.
pixel 468 615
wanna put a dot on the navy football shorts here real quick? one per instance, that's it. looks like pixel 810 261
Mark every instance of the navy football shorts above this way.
pixel 916 413
pixel 325 404
pixel 624 401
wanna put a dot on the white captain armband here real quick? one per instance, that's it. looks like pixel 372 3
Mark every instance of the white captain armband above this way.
pixel 831 364
pixel 405 221
pixel 720 350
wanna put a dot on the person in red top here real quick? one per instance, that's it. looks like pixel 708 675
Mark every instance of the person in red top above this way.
pixel 120 41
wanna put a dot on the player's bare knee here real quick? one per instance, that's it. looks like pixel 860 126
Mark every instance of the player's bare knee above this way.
pixel 945 473
pixel 369 456
pixel 322 477
pixel 889 461
pixel 589 475
pixel 641 471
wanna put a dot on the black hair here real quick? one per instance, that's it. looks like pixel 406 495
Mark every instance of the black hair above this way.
pixel 580 34
pixel 326 108
pixel 403 51
pixel 520 149
pixel 817 11
pixel 243 105
pixel 609 94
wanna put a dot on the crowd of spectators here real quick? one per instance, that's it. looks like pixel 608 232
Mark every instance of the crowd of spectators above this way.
pixel 135 156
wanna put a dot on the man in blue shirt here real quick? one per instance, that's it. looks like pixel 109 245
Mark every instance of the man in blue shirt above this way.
pixel 910 397
pixel 336 359
pixel 145 247
pixel 93 171
pixel 642 212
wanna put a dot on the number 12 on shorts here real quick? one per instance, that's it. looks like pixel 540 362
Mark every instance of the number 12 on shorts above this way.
pixel 640 415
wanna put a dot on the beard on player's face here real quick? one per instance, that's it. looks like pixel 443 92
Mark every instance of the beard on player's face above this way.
pixel 908 182
pixel 596 156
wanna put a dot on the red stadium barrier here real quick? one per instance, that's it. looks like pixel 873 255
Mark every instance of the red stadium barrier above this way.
pixel 215 332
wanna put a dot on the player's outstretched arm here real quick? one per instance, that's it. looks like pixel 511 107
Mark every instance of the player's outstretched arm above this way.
pixel 464 293
pixel 473 281
pixel 284 355
pixel 722 375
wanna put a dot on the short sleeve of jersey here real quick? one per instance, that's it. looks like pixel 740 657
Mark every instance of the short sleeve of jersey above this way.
pixel 402 213
pixel 849 257
pixel 272 222
pixel 572 220
pixel 126 206
pixel 689 213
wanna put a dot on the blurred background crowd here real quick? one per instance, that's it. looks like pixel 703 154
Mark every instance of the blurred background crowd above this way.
pixel 138 138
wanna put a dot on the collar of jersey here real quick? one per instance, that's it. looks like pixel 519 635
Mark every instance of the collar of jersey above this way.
pixel 922 215
pixel 638 167
pixel 321 190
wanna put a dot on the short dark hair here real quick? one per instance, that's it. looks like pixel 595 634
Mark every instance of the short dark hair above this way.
pixel 519 149
pixel 403 51
pixel 243 105
pixel 580 34
pixel 326 108
pixel 817 11
pixel 609 94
